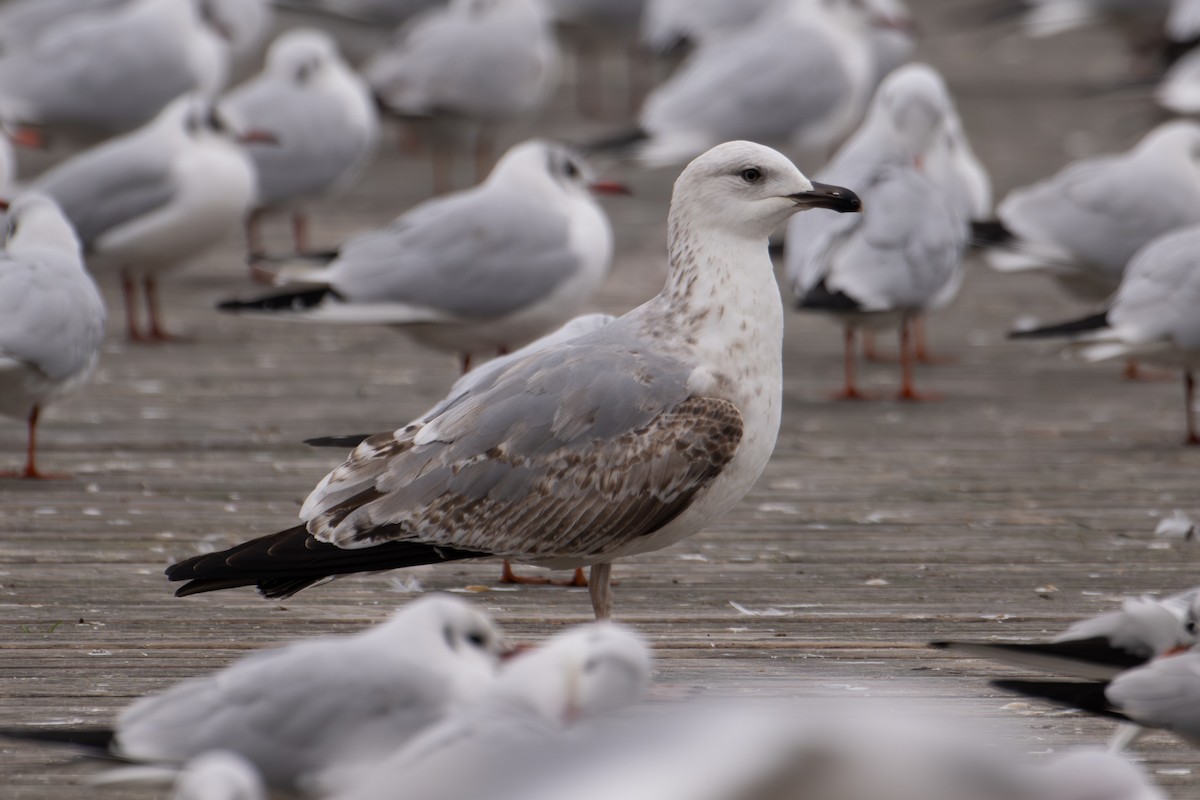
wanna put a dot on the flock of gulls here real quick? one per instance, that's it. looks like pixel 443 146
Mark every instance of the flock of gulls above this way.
pixel 572 439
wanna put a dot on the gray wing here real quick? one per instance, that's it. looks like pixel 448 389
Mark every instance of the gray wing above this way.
pixel 479 255
pixel 1163 694
pixel 316 148
pixel 109 185
pixel 762 84
pixel 51 316
pixel 1160 295
pixel 287 710
pixel 908 248
pixel 1101 211
pixel 570 452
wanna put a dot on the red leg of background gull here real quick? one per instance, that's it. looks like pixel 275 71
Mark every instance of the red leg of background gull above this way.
pixel 1189 400
pixel 465 363
pixel 129 287
pixel 1131 373
pixel 157 332
pixel 31 471
pixel 908 390
pixel 849 389
pixel 300 231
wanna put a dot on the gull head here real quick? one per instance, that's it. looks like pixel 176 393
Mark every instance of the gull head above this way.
pixel 220 775
pixel 35 220
pixel 549 169
pixel 581 673
pixel 748 190
pixel 914 105
pixel 300 56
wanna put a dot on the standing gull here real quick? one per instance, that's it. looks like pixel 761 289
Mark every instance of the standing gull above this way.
pixel 295 711
pixel 622 441
pixel 474 272
pixel 51 315
pixel 325 121
pixel 147 201
pixel 1153 316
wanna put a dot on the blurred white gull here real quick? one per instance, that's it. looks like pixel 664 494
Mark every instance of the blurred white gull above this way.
pixel 520 722
pixel 474 272
pixel 800 75
pixel 296 710
pixel 244 23
pixel 220 775
pixel 1100 647
pixel 903 257
pixel 110 71
pixel 619 442
pixel 323 118
pixel 372 12
pixel 668 25
pixel 51 315
pixel 1179 90
pixel 475 61
pixel 1089 773
pixel 1083 225
pixel 1154 316
pixel 145 202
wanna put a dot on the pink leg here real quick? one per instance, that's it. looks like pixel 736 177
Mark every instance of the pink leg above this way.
pixel 31 471
pixel 129 287
pixel 158 332
pixel 508 576
pixel 908 389
pixel 1189 400
pixel 465 363
pixel 849 387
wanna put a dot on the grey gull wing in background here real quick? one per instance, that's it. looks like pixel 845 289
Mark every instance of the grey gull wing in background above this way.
pixel 51 315
pixel 669 24
pixel 1083 225
pixel 145 202
pixel 800 75
pixel 294 711
pixel 1100 647
pixel 475 272
pixel 519 723
pixel 323 118
pixel 622 441
pixel 109 72
pixel 904 256
pixel 1153 316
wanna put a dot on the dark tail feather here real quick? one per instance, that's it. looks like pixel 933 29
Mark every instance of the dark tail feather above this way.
pixel 296 300
pixel 1092 323
pixel 819 298
pixel 283 563
pixel 350 440
pixel 315 256
pixel 990 233
pixel 95 741
pixel 617 141
pixel 1069 694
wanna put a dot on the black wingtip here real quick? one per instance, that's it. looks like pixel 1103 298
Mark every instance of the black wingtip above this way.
pixel 990 233
pixel 349 440
pixel 97 741
pixel 819 298
pixel 1086 696
pixel 297 300
pixel 1091 323
pixel 617 141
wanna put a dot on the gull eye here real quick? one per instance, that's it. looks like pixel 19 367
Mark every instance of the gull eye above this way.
pixel 751 175
pixel 477 639
pixel 570 169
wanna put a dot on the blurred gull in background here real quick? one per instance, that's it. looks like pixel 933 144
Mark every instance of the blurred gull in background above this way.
pixel 323 118
pixel 51 315
pixel 145 202
pixel 476 272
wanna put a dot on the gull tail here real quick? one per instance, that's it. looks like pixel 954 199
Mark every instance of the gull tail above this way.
pixel 1093 658
pixel 95 742
pixel 1093 323
pixel 991 233
pixel 349 440
pixel 1086 696
pixel 281 564
pixel 296 300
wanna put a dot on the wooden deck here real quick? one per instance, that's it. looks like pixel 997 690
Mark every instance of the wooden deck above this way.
pixel 1023 500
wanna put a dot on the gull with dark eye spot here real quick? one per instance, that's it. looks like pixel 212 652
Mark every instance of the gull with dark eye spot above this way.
pixel 51 315
pixel 622 441
pixel 146 202
pixel 323 115
pixel 297 710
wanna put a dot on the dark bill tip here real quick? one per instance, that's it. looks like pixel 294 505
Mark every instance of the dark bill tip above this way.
pixel 824 195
